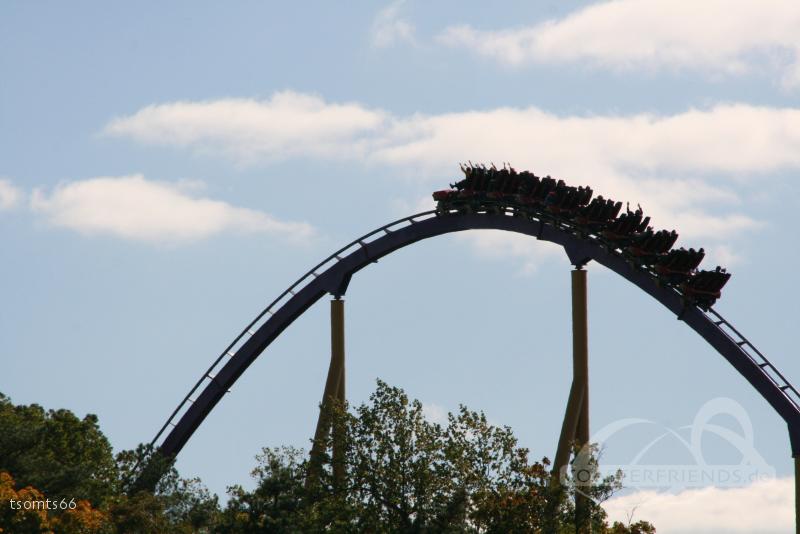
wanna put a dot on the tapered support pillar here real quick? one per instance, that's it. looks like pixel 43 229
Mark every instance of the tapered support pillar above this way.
pixel 337 355
pixel 580 369
pixel 575 428
pixel 334 394
pixel 797 494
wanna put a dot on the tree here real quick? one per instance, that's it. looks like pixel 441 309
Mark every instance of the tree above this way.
pixel 405 474
pixel 57 456
pixel 640 527
pixel 394 471
pixel 56 452
pixel 277 503
pixel 20 520
pixel 26 511
pixel 175 504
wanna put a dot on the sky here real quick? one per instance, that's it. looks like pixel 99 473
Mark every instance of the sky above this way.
pixel 166 170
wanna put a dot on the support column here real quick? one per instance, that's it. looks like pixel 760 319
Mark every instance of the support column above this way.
pixel 568 430
pixel 580 364
pixel 797 494
pixel 337 355
pixel 334 394
pixel 575 428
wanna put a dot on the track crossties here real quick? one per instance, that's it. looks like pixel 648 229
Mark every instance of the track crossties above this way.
pixel 491 190
pixel 589 229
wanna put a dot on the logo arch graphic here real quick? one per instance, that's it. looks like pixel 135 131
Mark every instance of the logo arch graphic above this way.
pixel 333 275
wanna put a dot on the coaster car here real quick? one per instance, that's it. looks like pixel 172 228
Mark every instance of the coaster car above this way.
pixel 649 246
pixel 705 287
pixel 622 230
pixel 678 265
pixel 493 190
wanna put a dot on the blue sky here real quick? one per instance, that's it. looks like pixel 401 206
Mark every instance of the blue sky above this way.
pixel 167 170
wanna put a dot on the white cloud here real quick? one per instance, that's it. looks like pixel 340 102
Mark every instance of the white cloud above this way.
pixel 499 245
pixel 663 163
pixel 726 138
pixel 389 27
pixel 765 507
pixel 9 195
pixel 733 139
pixel 687 170
pixel 287 125
pixel 713 36
pixel 403 206
pixel 725 255
pixel 132 207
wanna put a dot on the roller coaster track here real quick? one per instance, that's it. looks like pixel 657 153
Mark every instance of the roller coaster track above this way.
pixel 333 275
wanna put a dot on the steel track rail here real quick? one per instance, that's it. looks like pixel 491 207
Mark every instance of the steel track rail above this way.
pixel 333 275
pixel 291 290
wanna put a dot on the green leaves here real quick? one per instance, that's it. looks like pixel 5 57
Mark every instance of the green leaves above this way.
pixel 405 474
pixel 55 455
pixel 56 452
pixel 394 472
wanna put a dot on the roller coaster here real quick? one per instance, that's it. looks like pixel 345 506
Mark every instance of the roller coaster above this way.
pixel 589 229
pixel 493 190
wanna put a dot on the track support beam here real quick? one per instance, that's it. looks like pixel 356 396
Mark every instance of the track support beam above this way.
pixel 334 395
pixel 575 428
pixel 797 494
pixel 337 355
pixel 580 364
pixel 331 277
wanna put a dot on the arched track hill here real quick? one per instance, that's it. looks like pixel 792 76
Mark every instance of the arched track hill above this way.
pixel 334 273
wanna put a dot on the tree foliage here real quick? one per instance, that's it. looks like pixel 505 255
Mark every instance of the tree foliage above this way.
pixel 55 456
pixel 384 467
pixel 405 474
pixel 26 511
pixel 56 452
